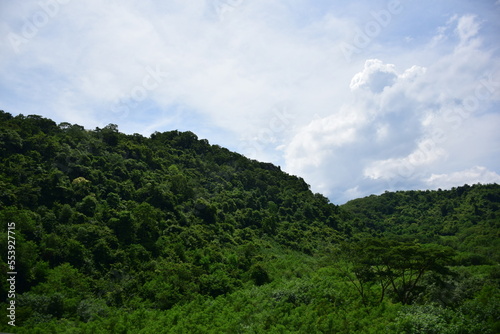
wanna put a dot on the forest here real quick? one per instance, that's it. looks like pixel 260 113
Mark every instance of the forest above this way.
pixel 115 233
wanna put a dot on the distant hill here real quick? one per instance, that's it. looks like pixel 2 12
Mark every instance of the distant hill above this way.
pixel 466 218
pixel 119 233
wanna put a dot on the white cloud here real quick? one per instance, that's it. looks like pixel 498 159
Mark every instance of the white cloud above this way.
pixel 402 126
pixel 354 142
pixel 467 28
pixel 426 153
pixel 375 76
pixel 476 174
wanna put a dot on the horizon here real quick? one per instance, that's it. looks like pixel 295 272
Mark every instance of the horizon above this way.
pixel 355 97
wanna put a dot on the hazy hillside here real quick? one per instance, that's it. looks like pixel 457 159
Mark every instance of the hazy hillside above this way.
pixel 120 233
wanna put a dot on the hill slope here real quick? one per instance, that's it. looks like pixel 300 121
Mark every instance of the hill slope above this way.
pixel 466 218
pixel 123 233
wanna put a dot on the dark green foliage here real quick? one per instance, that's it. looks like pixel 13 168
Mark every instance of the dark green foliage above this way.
pixel 397 267
pixel 259 275
pixel 121 233
pixel 466 218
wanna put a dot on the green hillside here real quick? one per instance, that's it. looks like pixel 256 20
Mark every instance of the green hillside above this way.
pixel 119 233
pixel 466 218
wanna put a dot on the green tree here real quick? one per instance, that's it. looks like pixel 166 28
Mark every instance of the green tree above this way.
pixel 394 265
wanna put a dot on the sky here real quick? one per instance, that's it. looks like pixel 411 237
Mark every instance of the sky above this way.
pixel 357 97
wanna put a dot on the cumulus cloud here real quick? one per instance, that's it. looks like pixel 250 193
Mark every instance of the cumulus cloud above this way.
pixel 402 126
pixel 355 141
pixel 476 174
pixel 375 76
pixel 425 154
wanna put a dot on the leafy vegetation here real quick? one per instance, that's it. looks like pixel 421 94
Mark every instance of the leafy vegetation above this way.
pixel 121 233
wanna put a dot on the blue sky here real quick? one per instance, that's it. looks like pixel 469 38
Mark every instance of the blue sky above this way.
pixel 356 97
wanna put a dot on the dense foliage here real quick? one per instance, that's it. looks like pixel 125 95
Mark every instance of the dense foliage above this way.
pixel 121 233
pixel 466 218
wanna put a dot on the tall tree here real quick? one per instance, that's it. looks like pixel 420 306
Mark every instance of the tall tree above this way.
pixel 395 266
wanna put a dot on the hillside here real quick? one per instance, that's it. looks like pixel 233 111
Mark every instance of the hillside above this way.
pixel 466 218
pixel 126 233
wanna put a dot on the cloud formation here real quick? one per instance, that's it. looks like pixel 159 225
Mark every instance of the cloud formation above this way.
pixel 271 80
pixel 401 127
pixel 473 175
